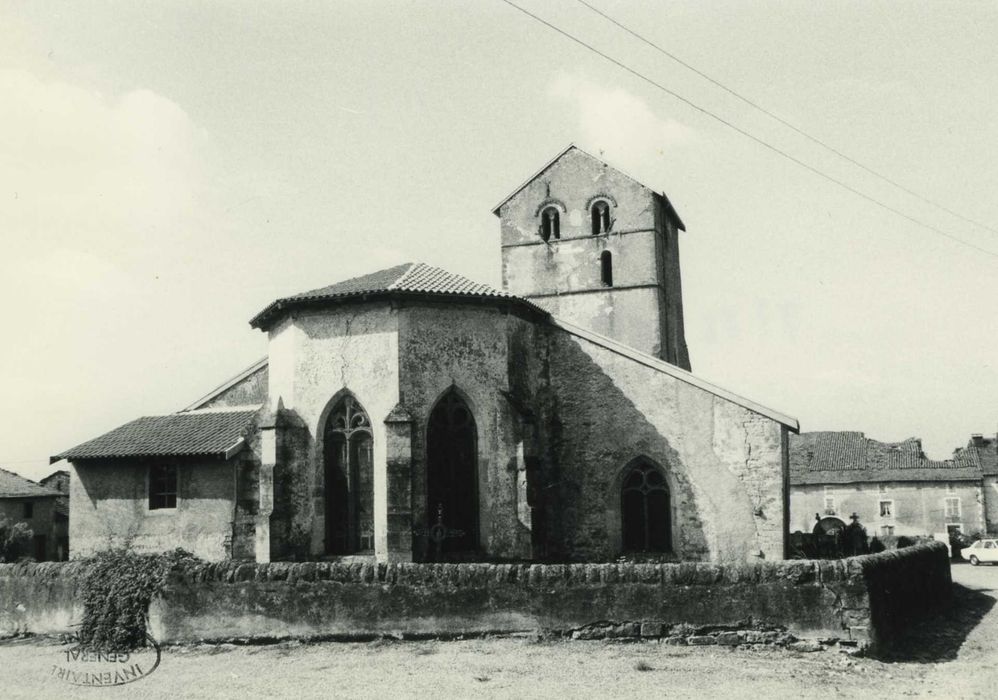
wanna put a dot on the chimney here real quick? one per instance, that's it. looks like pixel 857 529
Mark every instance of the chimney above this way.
pixel 977 440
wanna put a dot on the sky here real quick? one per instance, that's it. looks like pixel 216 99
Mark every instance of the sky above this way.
pixel 167 169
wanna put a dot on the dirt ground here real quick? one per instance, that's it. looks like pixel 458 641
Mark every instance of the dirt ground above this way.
pixel 955 656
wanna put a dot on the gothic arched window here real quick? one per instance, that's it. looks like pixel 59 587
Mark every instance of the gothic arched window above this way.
pixel 600 212
pixel 645 510
pixel 550 224
pixel 452 474
pixel 349 479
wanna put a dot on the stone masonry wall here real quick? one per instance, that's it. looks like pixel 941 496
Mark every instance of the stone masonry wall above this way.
pixel 723 462
pixel 869 599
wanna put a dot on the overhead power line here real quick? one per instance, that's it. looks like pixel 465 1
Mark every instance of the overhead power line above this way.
pixel 749 135
pixel 788 124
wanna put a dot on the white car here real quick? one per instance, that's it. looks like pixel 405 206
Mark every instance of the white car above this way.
pixel 982 551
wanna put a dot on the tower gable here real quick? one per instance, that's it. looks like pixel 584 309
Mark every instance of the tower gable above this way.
pixel 594 246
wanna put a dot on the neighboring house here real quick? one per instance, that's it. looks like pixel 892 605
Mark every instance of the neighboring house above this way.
pixel 984 450
pixel 893 487
pixel 59 481
pixel 413 414
pixel 24 501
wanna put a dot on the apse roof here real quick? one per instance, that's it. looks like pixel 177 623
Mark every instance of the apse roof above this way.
pixel 418 279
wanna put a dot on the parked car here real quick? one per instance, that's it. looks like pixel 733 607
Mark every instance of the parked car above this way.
pixel 982 551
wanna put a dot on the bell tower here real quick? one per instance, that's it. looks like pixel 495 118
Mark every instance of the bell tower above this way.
pixel 597 248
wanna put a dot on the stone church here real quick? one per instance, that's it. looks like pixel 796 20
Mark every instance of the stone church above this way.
pixel 411 414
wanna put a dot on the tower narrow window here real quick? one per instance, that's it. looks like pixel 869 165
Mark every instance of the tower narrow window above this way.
pixel 601 217
pixel 606 268
pixel 550 224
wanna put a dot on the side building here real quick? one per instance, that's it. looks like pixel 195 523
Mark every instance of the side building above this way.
pixel 24 501
pixel 893 488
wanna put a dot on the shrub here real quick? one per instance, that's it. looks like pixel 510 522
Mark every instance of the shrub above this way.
pixel 117 588
pixel 15 540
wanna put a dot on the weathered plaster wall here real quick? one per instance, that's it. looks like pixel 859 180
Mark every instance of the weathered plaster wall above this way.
pixel 313 357
pixel 990 492
pixel 468 348
pixel 41 522
pixel 109 505
pixel 919 508
pixel 569 266
pixel 250 390
pixel 723 462
pixel 628 315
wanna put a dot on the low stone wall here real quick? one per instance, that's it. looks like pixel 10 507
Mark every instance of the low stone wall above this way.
pixel 864 600
pixel 41 598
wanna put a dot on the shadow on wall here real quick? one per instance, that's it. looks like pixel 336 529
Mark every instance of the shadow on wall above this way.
pixel 599 432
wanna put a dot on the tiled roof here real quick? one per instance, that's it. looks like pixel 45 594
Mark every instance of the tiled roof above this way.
pixel 408 278
pixel 983 451
pixel 15 486
pixel 210 432
pixel 851 457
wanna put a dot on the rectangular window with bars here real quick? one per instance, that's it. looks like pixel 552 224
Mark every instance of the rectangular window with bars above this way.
pixel 162 486
pixel 887 509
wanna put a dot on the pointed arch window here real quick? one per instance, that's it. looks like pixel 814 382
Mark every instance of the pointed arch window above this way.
pixel 550 224
pixel 600 213
pixel 646 511
pixel 452 474
pixel 349 479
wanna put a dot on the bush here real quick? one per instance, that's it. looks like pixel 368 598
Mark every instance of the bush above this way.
pixel 15 540
pixel 117 588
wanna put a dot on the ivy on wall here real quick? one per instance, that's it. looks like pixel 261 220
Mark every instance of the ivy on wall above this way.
pixel 117 588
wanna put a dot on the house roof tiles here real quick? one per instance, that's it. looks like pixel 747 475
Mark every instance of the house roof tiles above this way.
pixel 16 486
pixel 851 457
pixel 194 433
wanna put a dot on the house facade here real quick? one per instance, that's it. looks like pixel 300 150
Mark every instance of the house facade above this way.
pixel 24 501
pixel 413 414
pixel 893 488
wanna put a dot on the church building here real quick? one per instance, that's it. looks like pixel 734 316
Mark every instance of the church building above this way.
pixel 411 414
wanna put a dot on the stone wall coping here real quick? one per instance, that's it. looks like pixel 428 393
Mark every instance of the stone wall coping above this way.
pixel 802 572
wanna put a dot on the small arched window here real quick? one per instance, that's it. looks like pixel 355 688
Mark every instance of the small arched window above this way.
pixel 550 224
pixel 606 268
pixel 600 213
pixel 645 510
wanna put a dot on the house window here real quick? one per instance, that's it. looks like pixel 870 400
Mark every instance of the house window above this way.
pixel 162 486
pixel 29 510
pixel 645 510
pixel 887 509
pixel 600 212
pixel 886 530
pixel 550 224
pixel 952 508
pixel 606 268
pixel 829 504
